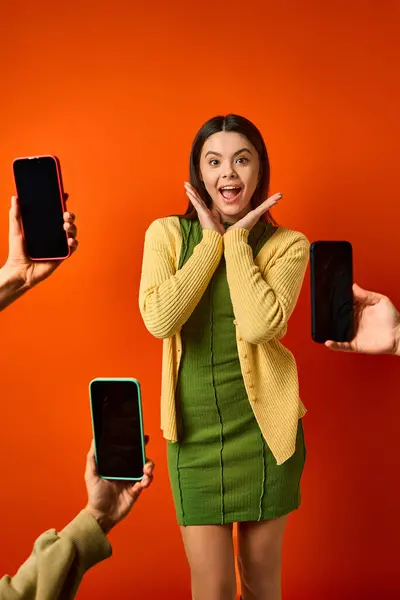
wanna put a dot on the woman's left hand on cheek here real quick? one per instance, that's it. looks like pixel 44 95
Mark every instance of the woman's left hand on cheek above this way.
pixel 252 217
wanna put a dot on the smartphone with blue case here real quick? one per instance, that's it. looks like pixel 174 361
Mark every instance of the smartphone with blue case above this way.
pixel 117 421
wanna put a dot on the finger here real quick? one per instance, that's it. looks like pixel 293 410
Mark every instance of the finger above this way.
pixel 339 346
pixel 71 229
pixel 364 296
pixel 146 481
pixel 149 468
pixel 265 206
pixel 73 244
pixel 69 217
pixel 148 474
pixel 190 188
pixel 195 198
pixel 271 201
pixel 195 201
pixel 135 490
pixel 194 195
pixel 199 206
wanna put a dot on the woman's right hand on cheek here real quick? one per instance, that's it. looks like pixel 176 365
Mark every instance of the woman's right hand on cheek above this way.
pixel 209 219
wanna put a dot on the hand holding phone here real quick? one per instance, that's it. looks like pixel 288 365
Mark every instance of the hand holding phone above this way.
pixel 42 204
pixel 332 310
pixel 41 233
pixel 118 428
pixel 110 501
pixel 377 325
pixel 18 262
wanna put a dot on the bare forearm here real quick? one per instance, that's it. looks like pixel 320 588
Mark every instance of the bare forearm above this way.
pixel 12 286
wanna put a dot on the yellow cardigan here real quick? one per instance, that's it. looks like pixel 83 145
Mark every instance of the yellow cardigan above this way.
pixel 264 292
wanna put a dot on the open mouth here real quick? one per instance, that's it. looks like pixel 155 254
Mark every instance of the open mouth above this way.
pixel 230 192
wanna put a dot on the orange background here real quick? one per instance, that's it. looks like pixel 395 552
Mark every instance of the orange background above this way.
pixel 118 90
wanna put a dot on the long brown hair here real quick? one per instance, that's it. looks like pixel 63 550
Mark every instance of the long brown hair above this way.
pixel 244 127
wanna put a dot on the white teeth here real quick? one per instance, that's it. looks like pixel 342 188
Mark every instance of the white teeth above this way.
pixel 231 187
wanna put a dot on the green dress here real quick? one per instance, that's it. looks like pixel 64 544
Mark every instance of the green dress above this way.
pixel 221 470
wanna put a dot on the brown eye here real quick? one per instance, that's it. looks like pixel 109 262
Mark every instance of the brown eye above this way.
pixel 243 160
pixel 213 162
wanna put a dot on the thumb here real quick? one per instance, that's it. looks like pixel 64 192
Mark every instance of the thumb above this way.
pixel 91 467
pixel 15 224
pixel 364 296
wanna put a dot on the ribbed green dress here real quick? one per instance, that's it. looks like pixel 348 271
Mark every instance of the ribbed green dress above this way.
pixel 222 470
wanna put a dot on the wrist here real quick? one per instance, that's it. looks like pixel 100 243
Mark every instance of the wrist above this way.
pixel 13 284
pixel 103 520
pixel 15 276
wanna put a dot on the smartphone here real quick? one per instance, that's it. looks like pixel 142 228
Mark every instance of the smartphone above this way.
pixel 41 199
pixel 332 312
pixel 116 409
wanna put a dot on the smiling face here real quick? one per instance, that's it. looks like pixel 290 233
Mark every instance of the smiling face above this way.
pixel 229 169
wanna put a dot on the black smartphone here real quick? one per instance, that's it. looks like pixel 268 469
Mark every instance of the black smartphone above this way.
pixel 332 307
pixel 41 199
pixel 117 421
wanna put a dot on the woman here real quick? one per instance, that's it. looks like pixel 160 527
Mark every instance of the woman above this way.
pixel 219 285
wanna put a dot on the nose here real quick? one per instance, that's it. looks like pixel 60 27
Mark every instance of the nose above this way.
pixel 229 172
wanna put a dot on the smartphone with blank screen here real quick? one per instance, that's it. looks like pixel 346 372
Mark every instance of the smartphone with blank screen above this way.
pixel 332 312
pixel 41 200
pixel 117 421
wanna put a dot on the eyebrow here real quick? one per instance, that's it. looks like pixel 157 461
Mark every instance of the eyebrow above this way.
pixel 236 153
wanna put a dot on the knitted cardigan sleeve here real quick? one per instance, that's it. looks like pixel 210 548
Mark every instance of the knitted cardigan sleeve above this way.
pixel 167 295
pixel 263 302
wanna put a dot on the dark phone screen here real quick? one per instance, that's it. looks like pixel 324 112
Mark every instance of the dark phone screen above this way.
pixel 332 293
pixel 117 429
pixel 40 201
